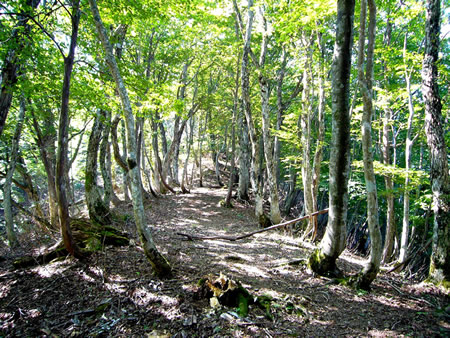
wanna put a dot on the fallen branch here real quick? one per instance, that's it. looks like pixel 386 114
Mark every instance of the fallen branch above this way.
pixel 233 238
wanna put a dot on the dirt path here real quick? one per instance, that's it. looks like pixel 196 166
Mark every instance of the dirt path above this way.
pixel 116 295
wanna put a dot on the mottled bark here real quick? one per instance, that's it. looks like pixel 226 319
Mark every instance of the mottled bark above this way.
pixel 189 141
pixel 105 163
pixel 9 223
pixel 305 140
pixel 317 162
pixel 370 271
pixel 323 261
pixel 255 172
pixel 389 184
pixel 98 210
pixel 244 159
pixel 33 194
pixel 62 152
pixel 408 150
pixel 440 185
pixel 158 262
pixel 169 158
pixel 233 136
pixel 46 144
pixel 156 159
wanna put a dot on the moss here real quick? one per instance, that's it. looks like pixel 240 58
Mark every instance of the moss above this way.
pixel 264 221
pixel 224 204
pixel 324 265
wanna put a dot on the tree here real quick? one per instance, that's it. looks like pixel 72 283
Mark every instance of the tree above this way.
pixel 12 64
pixel 255 175
pixel 99 211
pixel 323 260
pixel 158 262
pixel 62 151
pixel 386 151
pixel 10 234
pixel 440 258
pixel 408 154
pixel 372 267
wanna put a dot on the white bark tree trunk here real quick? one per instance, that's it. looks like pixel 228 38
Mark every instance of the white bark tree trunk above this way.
pixel 372 267
pixel 408 149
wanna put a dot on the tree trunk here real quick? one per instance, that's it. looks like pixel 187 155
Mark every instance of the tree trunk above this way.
pixel 275 215
pixel 12 63
pixel 158 262
pixel 189 141
pixel 320 136
pixel 244 159
pixel 409 143
pixel 125 176
pixel 99 212
pixel 10 233
pixel 157 160
pixel 370 271
pixel 440 185
pixel 105 163
pixel 62 152
pixel 305 137
pixel 255 172
pixel 168 159
pixel 323 261
pixel 201 132
pixel 390 215
pixel 233 137
pixel 46 145
pixel 33 194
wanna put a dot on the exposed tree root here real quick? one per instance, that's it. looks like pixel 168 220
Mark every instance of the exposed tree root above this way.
pixel 89 237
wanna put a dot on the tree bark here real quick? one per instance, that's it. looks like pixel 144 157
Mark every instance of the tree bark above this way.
pixel 408 149
pixel 305 139
pixel 62 152
pixel 370 271
pixel 189 141
pixel 323 261
pixel 46 145
pixel 158 262
pixel 233 137
pixel 317 162
pixel 99 212
pixel 105 163
pixel 244 159
pixel 9 223
pixel 390 214
pixel 440 185
pixel 255 172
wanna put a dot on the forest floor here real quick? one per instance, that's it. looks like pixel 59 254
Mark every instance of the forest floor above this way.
pixel 114 293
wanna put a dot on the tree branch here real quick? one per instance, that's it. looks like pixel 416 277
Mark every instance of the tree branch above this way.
pixel 230 238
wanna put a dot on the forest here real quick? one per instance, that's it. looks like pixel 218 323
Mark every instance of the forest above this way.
pixel 224 168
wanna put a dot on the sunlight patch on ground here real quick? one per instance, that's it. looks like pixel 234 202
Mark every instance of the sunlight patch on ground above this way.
pixel 51 269
pixel 143 297
pixel 250 270
pixel 5 288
